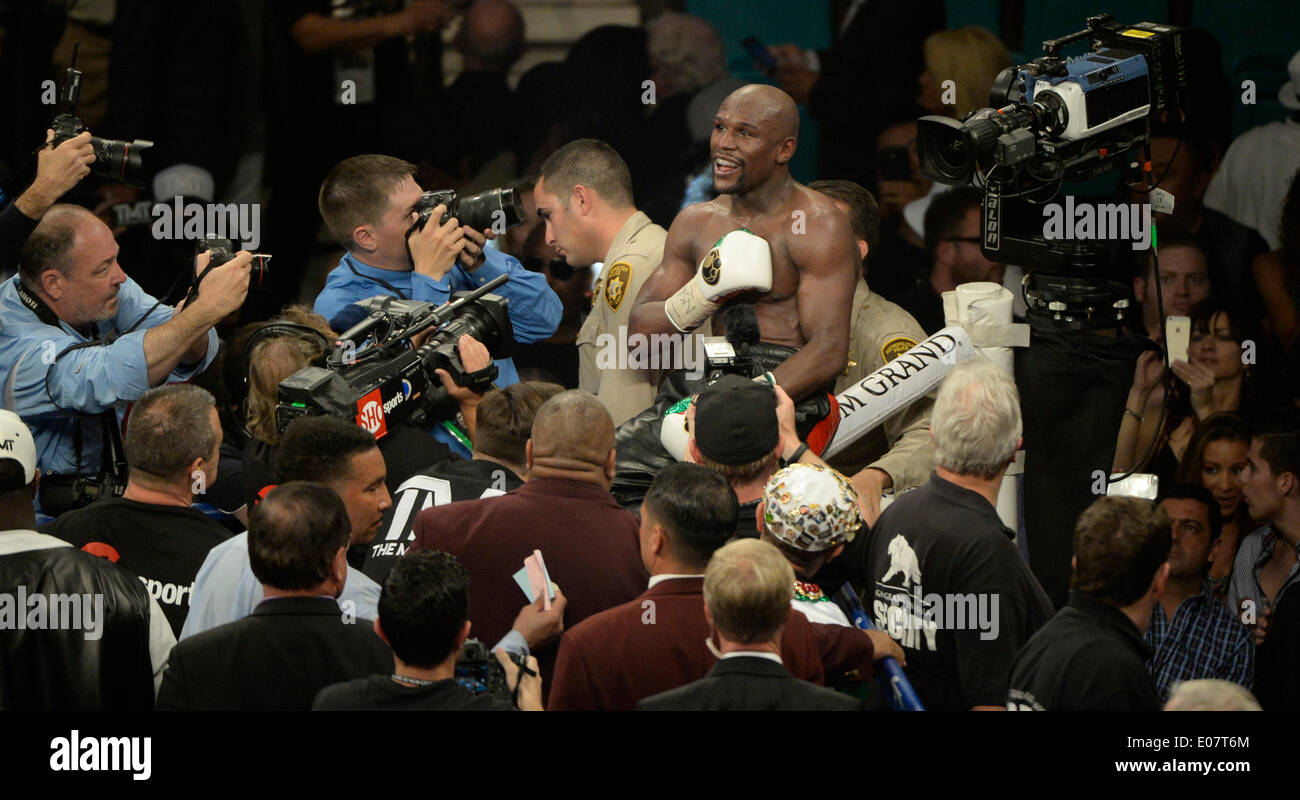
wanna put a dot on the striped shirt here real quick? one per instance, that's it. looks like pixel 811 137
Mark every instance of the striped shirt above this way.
pixel 1204 640
pixel 1255 551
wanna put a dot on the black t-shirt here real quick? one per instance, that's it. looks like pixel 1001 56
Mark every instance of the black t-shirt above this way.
pixel 1089 657
pixel 1277 664
pixel 315 78
pixel 446 482
pixel 746 524
pixel 944 549
pixel 163 545
pixel 382 693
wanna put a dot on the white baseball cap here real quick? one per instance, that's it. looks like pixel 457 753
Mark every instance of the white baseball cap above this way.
pixel 16 442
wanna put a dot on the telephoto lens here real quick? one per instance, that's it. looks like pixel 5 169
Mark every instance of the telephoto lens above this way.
pixel 497 209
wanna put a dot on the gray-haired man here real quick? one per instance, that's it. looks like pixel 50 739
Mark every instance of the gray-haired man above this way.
pixel 943 577
pixel 172 443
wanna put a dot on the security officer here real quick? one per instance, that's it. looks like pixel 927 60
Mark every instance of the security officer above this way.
pixel 584 195
pixel 899 454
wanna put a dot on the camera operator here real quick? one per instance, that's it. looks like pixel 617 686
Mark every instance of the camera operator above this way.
pixel 368 203
pixel 58 169
pixel 80 337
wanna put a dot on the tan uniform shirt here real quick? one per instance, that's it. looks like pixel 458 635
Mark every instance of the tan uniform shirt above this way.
pixel 633 256
pixel 879 332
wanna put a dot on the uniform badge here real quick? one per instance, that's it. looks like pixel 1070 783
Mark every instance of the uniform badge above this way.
pixel 616 284
pixel 895 347
pixel 711 269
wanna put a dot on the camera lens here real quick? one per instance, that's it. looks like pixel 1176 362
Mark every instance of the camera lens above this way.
pixel 120 160
pixel 491 209
pixel 945 149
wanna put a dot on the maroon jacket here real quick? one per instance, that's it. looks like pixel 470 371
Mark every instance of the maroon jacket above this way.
pixel 589 544
pixel 656 643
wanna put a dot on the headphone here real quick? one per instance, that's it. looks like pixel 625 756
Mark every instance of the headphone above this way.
pixel 275 330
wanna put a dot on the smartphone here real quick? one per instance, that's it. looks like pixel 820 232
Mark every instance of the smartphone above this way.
pixel 1139 484
pixel 759 53
pixel 1179 331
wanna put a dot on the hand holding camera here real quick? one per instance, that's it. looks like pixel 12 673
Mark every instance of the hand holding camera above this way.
pixel 474 356
pixel 528 695
pixel 224 288
pixel 58 168
pixel 434 248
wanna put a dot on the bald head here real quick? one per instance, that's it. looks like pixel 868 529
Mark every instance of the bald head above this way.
pixel 755 134
pixel 491 35
pixel 573 425
pixel 767 106
pixel 53 242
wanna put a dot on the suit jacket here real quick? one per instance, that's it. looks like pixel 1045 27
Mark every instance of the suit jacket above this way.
pixel 276 659
pixel 868 74
pixel 589 543
pixel 749 683
pixel 656 643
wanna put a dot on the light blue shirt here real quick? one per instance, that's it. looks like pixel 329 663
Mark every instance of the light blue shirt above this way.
pixel 226 590
pixel 90 380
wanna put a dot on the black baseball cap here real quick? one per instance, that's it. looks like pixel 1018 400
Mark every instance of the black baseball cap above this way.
pixel 735 421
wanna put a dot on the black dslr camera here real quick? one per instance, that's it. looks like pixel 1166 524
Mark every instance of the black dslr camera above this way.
pixel 223 250
pixel 114 158
pixel 479 671
pixel 497 209
pixel 373 376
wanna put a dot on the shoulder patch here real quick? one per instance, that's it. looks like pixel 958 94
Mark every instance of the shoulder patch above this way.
pixel 616 284
pixel 895 347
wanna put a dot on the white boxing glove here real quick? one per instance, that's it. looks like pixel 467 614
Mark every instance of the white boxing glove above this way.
pixel 673 435
pixel 740 262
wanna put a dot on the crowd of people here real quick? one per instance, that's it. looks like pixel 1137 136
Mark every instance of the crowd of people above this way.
pixel 555 521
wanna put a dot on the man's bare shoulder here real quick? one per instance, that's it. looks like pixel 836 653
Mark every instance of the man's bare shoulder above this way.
pixel 821 212
pixel 697 215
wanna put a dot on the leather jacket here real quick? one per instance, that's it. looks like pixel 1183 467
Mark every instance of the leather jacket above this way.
pixel 95 656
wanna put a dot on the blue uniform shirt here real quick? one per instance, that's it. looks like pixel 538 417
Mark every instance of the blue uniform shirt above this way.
pixel 535 311
pixel 90 380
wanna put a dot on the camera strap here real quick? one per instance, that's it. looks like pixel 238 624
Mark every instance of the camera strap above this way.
pixel 36 305
pixel 480 380
pixel 112 452
pixel 347 259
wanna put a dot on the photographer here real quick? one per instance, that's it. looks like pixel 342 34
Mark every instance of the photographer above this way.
pixel 424 617
pixel 368 202
pixel 80 337
pixel 58 169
